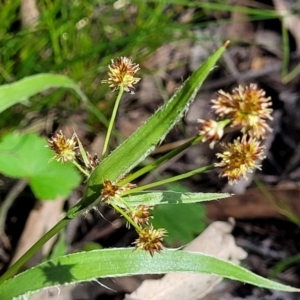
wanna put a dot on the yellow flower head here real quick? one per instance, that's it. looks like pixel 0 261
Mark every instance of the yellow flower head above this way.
pixel 150 239
pixel 140 214
pixel 65 149
pixel 122 71
pixel 240 157
pixel 247 107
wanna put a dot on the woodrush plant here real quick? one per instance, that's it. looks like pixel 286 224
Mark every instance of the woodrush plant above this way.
pixel 109 181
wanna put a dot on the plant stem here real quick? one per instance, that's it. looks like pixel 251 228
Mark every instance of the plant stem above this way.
pixel 123 213
pixel 112 120
pixel 168 180
pixel 87 174
pixel 161 160
pixel 26 256
pixel 285 49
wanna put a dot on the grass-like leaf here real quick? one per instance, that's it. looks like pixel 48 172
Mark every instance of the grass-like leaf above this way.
pixel 86 266
pixel 170 197
pixel 22 90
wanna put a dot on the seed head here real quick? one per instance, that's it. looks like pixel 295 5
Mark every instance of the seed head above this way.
pixel 239 157
pixel 150 239
pixel 65 149
pixel 211 130
pixel 121 74
pixel 112 191
pixel 247 107
pixel 140 214
pixel 109 190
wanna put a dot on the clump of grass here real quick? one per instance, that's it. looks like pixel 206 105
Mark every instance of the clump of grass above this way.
pixel 79 39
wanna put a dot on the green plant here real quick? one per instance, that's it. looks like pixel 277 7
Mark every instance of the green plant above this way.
pixel 109 181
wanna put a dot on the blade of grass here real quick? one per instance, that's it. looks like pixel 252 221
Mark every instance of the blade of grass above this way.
pixel 19 91
pixel 87 266
pixel 170 197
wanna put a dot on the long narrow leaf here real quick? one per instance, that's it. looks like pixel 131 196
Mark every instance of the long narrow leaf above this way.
pixel 140 144
pixel 19 91
pixel 86 266
pixel 170 197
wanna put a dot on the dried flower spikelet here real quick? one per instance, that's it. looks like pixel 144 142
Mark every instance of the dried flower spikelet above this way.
pixel 65 149
pixel 247 107
pixel 93 160
pixel 122 71
pixel 240 157
pixel 109 191
pixel 112 191
pixel 127 187
pixel 140 214
pixel 211 130
pixel 150 239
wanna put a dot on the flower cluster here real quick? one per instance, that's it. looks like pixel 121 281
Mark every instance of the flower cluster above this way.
pixel 112 191
pixel 72 150
pixel 247 109
pixel 211 130
pixel 239 157
pixel 140 214
pixel 64 149
pixel 149 239
pixel 122 71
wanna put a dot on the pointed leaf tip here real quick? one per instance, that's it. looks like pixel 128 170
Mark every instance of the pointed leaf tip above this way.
pixel 225 45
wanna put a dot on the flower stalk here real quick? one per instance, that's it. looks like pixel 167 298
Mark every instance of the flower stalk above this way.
pixel 112 121
pixel 169 180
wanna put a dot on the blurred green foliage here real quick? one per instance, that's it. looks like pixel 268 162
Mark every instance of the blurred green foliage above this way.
pixel 25 156
pixel 78 39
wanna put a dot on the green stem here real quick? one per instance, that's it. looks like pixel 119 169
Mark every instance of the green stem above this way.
pixel 123 213
pixel 112 120
pixel 285 50
pixel 87 174
pixel 169 180
pixel 161 160
pixel 27 255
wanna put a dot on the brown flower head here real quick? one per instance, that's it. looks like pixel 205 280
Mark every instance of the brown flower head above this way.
pixel 240 157
pixel 109 190
pixel 247 107
pixel 140 214
pixel 150 239
pixel 211 130
pixel 65 149
pixel 113 191
pixel 122 71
